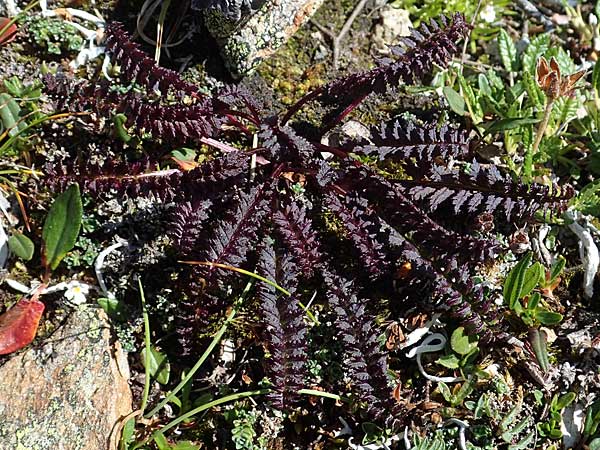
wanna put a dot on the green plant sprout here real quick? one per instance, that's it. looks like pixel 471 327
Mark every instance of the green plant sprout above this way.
pixel 550 427
pixel 519 296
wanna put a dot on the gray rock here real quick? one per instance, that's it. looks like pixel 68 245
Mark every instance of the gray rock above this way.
pixel 395 23
pixel 244 45
pixel 69 393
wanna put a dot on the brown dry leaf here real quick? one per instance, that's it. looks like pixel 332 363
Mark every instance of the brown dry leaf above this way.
pixel 63 13
pixel 552 82
pixel 246 379
pixel 395 336
pixel 397 393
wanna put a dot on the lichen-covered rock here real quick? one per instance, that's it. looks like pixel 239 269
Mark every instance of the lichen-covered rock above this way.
pixel 246 44
pixel 233 10
pixel 69 393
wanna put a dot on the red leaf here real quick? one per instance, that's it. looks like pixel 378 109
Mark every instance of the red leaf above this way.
pixel 9 34
pixel 19 324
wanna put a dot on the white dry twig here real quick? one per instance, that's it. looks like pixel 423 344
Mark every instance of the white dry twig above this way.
pixel 99 265
pixel 588 251
pixel 462 427
pixel 427 347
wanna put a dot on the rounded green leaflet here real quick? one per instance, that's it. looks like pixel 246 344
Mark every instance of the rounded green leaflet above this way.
pixel 62 226
pixel 21 246
pixel 462 343
pixel 455 101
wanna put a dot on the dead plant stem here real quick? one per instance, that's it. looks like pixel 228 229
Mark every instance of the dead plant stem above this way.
pixel 542 126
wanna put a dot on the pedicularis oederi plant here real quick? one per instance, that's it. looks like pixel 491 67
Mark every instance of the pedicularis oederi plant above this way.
pixel 337 223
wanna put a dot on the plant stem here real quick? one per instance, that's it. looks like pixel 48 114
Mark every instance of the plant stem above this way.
pixel 199 409
pixel 35 123
pixel 316 393
pixel 159 29
pixel 232 398
pixel 542 126
pixel 200 361
pixel 147 344
pixel 239 270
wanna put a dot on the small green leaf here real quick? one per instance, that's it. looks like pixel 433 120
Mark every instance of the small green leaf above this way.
pixel 10 115
pixel 592 419
pixel 445 391
pixel 511 416
pixel 62 226
pixel 161 441
pixel 546 317
pixel 533 275
pixel 449 361
pixel 14 86
pixel 471 100
pixel 461 343
pixel 127 436
pixel 160 369
pixel 557 268
pixel 456 102
pixel 464 391
pixel 508 51
pixel 538 395
pixel 513 284
pixel 533 301
pixel 184 154
pixel 537 47
pixel 523 443
pixel 555 433
pixel 202 400
pixel 21 246
pixel 595 444
pixel 536 95
pixel 113 307
pixel 119 121
pixel 540 349
pixel 372 433
pixel 484 85
pixel 565 400
pixel 596 78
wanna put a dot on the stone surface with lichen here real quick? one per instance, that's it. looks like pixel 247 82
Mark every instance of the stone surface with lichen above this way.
pixel 70 392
